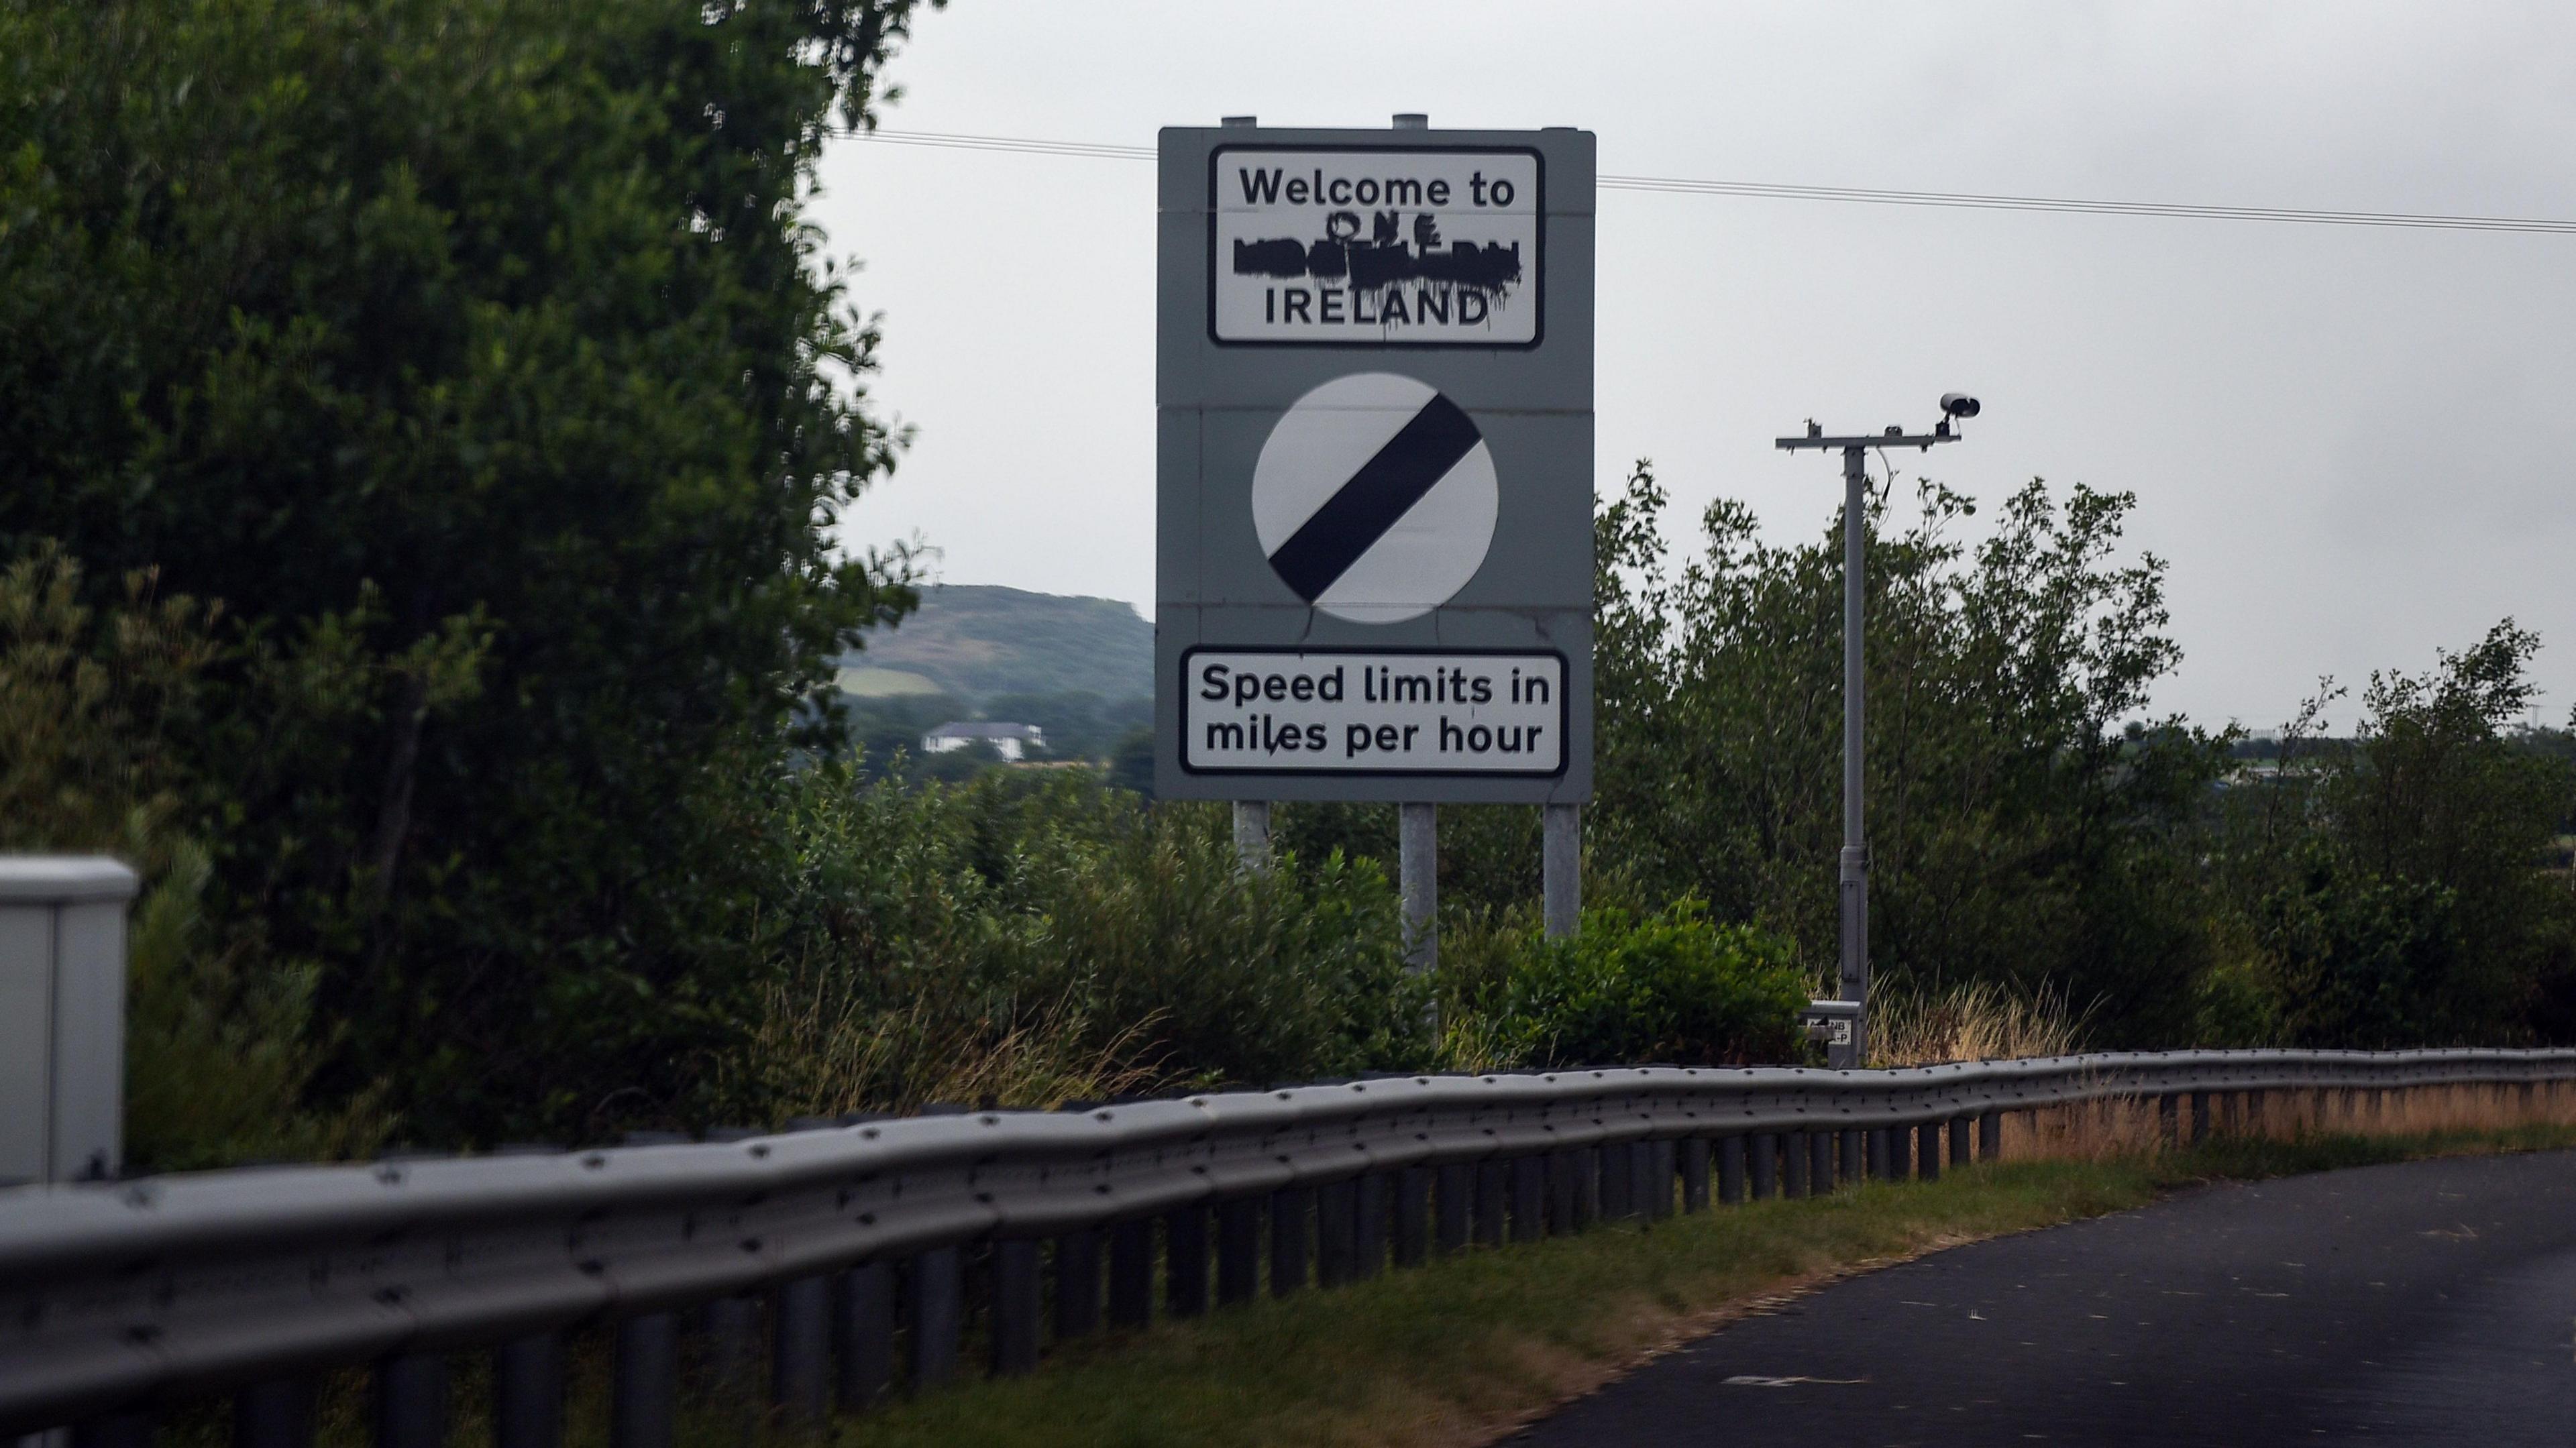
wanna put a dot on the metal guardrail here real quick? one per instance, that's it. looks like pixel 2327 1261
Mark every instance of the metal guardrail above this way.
pixel 850 1247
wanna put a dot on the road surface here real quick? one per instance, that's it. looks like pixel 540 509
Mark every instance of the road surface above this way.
pixel 2429 1302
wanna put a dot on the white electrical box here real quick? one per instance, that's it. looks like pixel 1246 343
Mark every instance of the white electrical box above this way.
pixel 62 1017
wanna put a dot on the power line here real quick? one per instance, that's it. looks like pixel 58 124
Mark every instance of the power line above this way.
pixel 1964 200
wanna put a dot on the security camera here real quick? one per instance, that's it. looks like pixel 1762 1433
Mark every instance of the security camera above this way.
pixel 1959 404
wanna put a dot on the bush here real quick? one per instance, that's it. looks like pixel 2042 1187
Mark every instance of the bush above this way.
pixel 1028 938
pixel 1671 987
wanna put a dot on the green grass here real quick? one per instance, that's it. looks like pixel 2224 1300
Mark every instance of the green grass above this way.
pixel 1456 1352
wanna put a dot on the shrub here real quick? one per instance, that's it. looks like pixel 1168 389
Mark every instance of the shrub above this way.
pixel 1029 937
pixel 1672 987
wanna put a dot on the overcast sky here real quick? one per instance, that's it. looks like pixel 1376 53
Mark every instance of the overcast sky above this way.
pixel 2350 443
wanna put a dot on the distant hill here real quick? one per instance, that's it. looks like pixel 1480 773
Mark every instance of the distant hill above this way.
pixel 980 640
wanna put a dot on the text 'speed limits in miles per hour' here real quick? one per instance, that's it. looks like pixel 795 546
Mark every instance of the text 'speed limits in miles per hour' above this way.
pixel 1367 711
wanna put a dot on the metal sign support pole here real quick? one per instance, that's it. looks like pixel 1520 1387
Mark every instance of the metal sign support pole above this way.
pixel 1252 834
pixel 1855 855
pixel 1418 865
pixel 1561 869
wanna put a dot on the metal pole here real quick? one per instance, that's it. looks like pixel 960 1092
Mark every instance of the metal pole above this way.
pixel 1252 834
pixel 1855 855
pixel 1418 849
pixel 1561 869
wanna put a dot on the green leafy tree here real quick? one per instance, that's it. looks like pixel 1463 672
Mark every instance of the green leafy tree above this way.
pixel 473 353
pixel 2026 826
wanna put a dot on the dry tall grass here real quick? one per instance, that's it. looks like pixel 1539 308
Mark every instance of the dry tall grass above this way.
pixel 818 1048
pixel 2130 1125
pixel 1977 1021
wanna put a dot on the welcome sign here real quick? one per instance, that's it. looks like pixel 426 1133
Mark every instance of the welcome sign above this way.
pixel 1424 247
pixel 1373 393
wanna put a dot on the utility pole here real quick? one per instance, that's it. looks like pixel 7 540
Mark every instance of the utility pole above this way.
pixel 1853 890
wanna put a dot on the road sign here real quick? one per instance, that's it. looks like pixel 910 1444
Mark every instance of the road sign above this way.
pixel 1374 498
pixel 1374 393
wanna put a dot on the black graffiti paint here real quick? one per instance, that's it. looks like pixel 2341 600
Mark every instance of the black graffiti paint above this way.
pixel 1384 489
pixel 1387 258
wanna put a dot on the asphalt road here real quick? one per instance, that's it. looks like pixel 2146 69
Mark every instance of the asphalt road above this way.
pixel 2430 1302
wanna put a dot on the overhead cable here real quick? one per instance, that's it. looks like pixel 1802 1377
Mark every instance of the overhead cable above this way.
pixel 1774 191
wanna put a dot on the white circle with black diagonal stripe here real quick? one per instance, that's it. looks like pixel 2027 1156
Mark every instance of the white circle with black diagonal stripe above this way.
pixel 1375 498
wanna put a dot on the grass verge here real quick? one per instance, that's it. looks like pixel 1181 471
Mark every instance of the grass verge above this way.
pixel 1462 1351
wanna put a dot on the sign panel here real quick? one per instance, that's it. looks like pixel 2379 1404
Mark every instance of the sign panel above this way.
pixel 1374 468
pixel 1355 711
pixel 1374 498
pixel 1365 245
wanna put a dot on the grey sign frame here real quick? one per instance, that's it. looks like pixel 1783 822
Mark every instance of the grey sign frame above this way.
pixel 1216 402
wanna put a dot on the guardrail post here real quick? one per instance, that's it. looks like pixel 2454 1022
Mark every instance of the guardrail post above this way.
pixel 1493 1190
pixel 1453 1206
pixel 1563 1177
pixel 1762 1155
pixel 1694 1153
pixel 1853 1167
pixel 116 1430
pixel 1990 1136
pixel 800 1352
pixel 1412 1216
pixel 733 1331
pixel 1185 1271
pixel 1793 1165
pixel 411 1401
pixel 1077 1284
pixel 1820 1162
pixel 1131 1272
pixel 1529 1197
pixel 279 1414
pixel 1017 1304
pixel 1368 1237
pixel 1927 1151
pixel 1618 1183
pixel 2169 1118
pixel 1292 1232
pixel 1659 1202
pixel 938 1314
pixel 642 1382
pixel 867 1334
pixel 2199 1117
pixel 1238 1250
pixel 1730 1170
pixel 1336 1227
pixel 527 1392
pixel 1878 1153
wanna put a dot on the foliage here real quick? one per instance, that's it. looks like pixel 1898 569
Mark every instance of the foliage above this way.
pixel 2394 882
pixel 1673 987
pixel 1040 936
pixel 2020 831
pixel 475 356
pixel 222 1037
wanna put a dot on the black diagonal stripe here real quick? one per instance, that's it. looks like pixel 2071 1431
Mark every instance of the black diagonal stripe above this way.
pixel 1382 491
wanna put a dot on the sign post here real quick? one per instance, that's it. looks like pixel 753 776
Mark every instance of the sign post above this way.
pixel 1374 475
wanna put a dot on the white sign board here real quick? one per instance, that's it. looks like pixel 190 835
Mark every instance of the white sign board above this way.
pixel 1350 247
pixel 1375 498
pixel 1361 711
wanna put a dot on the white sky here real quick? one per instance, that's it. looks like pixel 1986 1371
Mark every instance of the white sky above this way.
pixel 2347 441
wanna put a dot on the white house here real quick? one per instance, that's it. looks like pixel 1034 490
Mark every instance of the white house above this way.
pixel 1010 741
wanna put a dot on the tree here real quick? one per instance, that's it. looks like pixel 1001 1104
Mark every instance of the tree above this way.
pixel 475 357
pixel 2026 824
